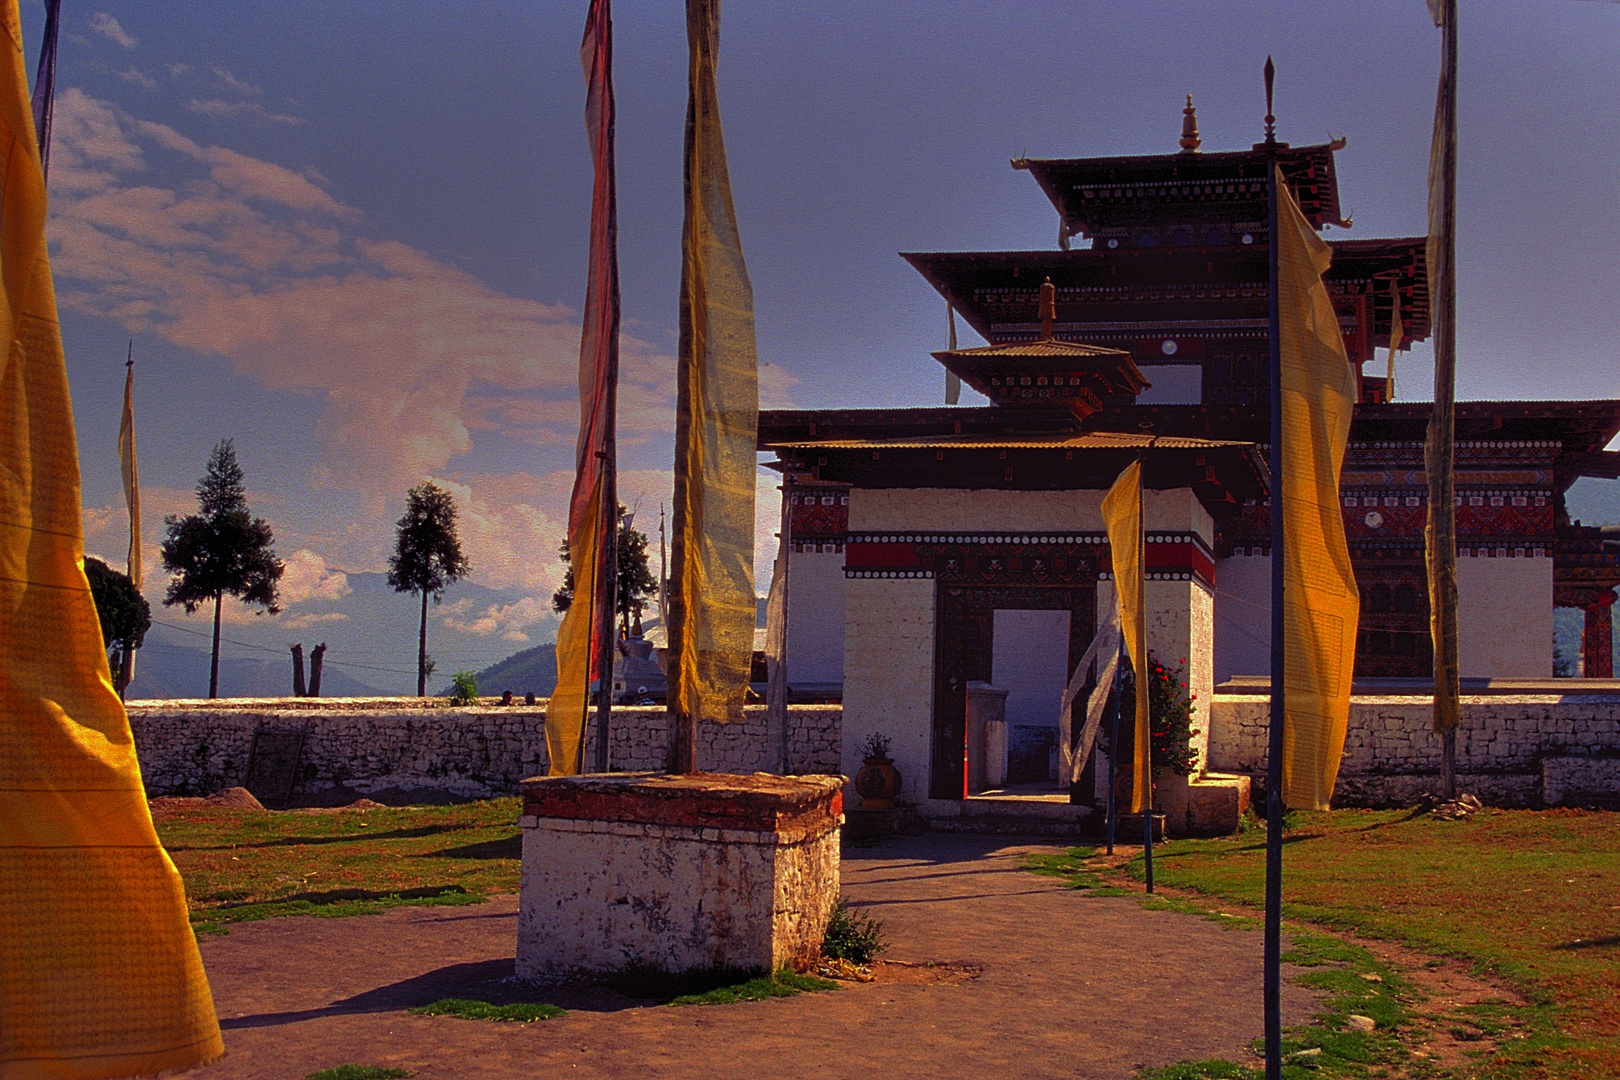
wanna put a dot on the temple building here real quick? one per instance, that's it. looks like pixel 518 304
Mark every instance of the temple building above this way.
pixel 940 552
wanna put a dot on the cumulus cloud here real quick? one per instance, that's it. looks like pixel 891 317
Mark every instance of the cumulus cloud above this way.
pixel 248 259
pixel 302 622
pixel 108 27
pixel 308 577
pixel 250 111
pixel 510 622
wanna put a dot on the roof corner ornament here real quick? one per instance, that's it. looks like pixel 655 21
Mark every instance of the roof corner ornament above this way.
pixel 1048 308
pixel 1190 142
pixel 1020 162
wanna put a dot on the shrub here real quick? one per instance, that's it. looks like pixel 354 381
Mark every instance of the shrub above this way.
pixel 464 688
pixel 1169 715
pixel 852 936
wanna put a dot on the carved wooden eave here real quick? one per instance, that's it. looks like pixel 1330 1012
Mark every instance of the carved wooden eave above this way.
pixel 1047 372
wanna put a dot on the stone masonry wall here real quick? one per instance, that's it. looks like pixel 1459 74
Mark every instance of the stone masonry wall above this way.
pixel 1512 750
pixel 379 745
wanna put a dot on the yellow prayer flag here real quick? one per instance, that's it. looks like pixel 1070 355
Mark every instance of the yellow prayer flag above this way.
pixel 99 972
pixel 1321 606
pixel 711 596
pixel 1122 516
pixel 567 709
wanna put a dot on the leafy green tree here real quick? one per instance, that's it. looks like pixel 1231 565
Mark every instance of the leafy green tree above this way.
pixel 427 557
pixel 637 583
pixel 125 616
pixel 220 549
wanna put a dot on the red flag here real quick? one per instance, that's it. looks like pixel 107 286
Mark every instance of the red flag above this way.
pixel 585 639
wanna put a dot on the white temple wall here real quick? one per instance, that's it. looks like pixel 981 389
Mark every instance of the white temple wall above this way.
pixel 1242 616
pixel 889 676
pixel 1181 628
pixel 1505 617
pixel 815 647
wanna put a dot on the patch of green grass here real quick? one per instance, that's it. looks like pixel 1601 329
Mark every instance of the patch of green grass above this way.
pixel 1202 1070
pixel 1516 894
pixel 253 864
pixel 783 984
pixel 1071 868
pixel 468 1009
pixel 332 905
pixel 852 936
pixel 1157 902
pixel 360 1072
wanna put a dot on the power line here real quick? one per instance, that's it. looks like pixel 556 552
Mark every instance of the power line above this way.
pixel 277 652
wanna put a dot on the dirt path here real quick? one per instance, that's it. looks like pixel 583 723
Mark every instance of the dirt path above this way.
pixel 1066 987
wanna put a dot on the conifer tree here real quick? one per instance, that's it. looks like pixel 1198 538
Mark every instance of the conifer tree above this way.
pixel 427 557
pixel 220 549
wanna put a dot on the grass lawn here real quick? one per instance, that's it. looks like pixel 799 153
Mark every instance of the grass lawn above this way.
pixel 248 864
pixel 1531 896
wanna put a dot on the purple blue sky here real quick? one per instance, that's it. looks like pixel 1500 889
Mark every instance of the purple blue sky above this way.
pixel 352 236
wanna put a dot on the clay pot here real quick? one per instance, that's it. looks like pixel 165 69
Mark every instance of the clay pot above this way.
pixel 877 783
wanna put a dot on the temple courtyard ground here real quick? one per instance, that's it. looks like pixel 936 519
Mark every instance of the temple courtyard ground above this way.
pixel 1483 947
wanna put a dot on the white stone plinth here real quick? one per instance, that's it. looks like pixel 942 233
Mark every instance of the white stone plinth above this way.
pixel 677 873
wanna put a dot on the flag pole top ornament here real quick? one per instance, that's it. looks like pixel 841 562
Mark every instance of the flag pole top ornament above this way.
pixel 1271 120
pixel 1048 308
pixel 1190 142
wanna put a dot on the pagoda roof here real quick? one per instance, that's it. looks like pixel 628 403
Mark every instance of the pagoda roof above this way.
pixel 997 292
pixel 1028 372
pixel 1093 195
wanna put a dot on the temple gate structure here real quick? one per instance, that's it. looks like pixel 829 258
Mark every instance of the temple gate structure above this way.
pixel 938 549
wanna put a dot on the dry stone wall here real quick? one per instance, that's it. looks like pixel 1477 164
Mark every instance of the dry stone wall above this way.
pixel 1512 750
pixel 385 746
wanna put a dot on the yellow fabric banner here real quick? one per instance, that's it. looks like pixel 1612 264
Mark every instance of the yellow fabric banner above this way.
pixel 1321 606
pixel 711 596
pixel 1122 516
pixel 568 707
pixel 99 972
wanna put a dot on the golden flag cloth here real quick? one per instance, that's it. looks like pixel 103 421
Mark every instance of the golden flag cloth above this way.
pixel 99 972
pixel 1122 516
pixel 711 596
pixel 584 640
pixel 1321 606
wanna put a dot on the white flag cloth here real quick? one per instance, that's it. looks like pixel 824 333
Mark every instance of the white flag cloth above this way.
pixel 1104 650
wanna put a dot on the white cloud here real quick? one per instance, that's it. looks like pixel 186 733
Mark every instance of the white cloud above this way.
pixel 512 622
pixel 308 577
pixel 231 82
pixel 179 71
pixel 108 27
pixel 242 110
pixel 302 622
pixel 139 78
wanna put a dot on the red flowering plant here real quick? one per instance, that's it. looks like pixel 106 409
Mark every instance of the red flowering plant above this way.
pixel 1169 715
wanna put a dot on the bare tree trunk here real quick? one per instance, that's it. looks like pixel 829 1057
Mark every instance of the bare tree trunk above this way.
pixel 421 651
pixel 316 658
pixel 213 665
pixel 1448 763
pixel 126 668
pixel 298 669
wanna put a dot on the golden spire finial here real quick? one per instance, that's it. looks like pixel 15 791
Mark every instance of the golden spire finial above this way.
pixel 1190 142
pixel 1048 308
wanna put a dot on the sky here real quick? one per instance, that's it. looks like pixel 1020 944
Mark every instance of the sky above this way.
pixel 351 237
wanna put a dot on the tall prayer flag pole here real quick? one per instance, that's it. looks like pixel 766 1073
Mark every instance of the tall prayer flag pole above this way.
pixel 585 641
pixel 953 381
pixel 776 639
pixel 132 499
pixel 45 87
pixel 1122 517
pixel 101 972
pixel 712 605
pixel 1397 334
pixel 1439 450
pixel 1272 978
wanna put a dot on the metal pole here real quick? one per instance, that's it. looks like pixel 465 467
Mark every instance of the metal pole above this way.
pixel 1143 690
pixel 1274 807
pixel 1113 742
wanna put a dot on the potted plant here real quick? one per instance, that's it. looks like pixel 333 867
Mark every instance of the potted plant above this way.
pixel 878 782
